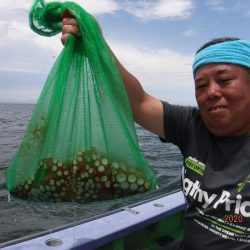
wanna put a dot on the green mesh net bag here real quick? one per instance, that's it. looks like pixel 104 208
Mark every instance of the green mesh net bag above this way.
pixel 80 144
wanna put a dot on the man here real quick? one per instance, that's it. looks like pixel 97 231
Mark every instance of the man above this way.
pixel 213 138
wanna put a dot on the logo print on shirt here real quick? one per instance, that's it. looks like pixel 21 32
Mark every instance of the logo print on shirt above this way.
pixel 195 165
pixel 243 184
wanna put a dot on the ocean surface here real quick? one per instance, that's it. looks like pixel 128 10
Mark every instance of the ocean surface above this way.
pixel 20 219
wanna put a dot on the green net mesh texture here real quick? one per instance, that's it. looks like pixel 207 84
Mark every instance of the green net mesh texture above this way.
pixel 81 143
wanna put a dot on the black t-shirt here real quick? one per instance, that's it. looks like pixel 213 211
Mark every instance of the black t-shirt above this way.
pixel 215 182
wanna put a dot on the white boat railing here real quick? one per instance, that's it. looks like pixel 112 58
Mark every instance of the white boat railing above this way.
pixel 98 232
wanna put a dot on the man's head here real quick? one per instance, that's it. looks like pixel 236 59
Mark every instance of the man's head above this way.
pixel 222 86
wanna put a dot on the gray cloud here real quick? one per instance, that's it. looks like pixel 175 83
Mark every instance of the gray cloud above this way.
pixel 227 5
pixel 20 87
pixel 161 9
pixel 26 58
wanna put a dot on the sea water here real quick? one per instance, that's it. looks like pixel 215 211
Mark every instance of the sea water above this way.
pixel 20 219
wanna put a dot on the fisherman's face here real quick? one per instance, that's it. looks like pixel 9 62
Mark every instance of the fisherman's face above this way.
pixel 223 96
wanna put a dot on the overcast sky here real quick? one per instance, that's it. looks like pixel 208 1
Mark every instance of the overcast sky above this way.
pixel 155 40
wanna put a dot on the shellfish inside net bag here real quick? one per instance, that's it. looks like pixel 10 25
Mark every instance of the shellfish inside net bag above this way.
pixel 80 144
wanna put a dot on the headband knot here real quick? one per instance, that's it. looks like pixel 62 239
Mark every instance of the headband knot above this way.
pixel 233 52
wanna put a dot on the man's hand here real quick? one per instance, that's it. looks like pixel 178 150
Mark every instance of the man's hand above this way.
pixel 70 25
